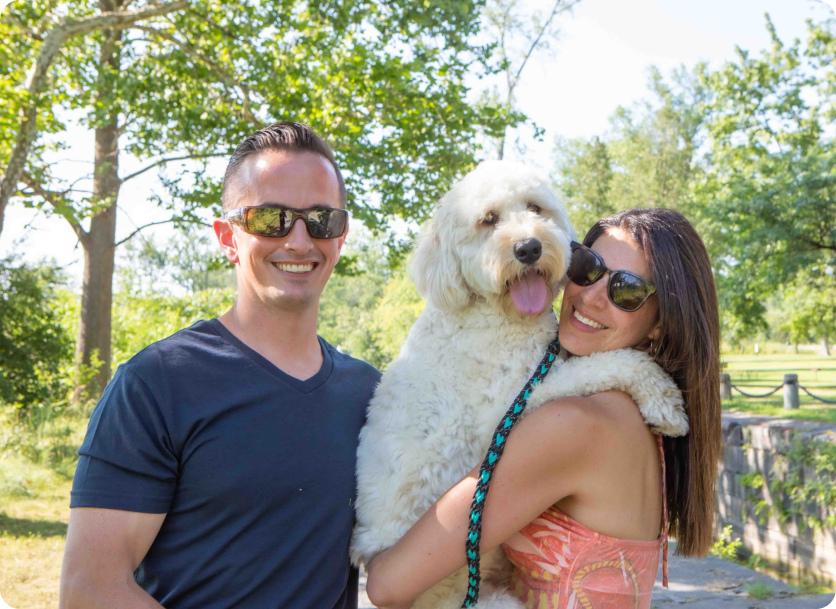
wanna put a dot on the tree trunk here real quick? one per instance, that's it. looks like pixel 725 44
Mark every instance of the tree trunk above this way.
pixel 825 349
pixel 99 248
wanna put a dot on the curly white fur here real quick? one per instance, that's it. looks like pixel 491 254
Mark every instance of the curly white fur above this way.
pixel 468 355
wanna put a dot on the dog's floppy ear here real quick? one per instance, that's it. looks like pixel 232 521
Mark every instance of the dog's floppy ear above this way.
pixel 437 273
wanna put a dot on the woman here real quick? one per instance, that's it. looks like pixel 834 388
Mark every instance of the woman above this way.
pixel 583 485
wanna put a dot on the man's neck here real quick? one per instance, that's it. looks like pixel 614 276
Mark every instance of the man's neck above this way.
pixel 286 338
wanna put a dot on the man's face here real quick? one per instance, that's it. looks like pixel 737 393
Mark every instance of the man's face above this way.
pixel 288 272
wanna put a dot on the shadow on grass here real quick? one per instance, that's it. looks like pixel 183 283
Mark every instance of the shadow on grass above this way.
pixel 22 527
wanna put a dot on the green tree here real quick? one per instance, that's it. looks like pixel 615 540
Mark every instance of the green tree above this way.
pixel 585 180
pixel 767 201
pixel 398 308
pixel 34 347
pixel 190 261
pixel 648 157
pixel 185 81
pixel 655 145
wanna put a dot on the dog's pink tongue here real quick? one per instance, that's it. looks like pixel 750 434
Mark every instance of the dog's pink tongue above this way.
pixel 529 294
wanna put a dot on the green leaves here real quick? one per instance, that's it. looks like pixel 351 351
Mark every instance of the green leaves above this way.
pixel 768 199
pixel 647 159
pixel 382 81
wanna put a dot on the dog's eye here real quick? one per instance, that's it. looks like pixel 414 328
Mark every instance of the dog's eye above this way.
pixel 534 207
pixel 489 219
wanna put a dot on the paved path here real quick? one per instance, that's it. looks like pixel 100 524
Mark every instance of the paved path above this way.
pixel 710 583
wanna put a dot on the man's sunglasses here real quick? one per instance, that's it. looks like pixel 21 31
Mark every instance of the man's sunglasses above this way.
pixel 626 290
pixel 276 221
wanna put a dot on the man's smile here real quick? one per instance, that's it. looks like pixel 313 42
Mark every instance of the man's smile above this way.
pixel 296 268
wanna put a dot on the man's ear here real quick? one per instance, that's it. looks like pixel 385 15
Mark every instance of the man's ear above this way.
pixel 226 239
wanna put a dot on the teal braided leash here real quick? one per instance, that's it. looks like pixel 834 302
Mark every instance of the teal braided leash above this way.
pixel 477 506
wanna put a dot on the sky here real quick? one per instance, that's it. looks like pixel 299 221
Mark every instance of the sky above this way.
pixel 600 62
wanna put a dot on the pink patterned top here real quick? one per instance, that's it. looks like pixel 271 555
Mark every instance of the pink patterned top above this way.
pixel 561 564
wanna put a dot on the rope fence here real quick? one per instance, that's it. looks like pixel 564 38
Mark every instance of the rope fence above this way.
pixel 790 387
pixel 815 397
pixel 752 395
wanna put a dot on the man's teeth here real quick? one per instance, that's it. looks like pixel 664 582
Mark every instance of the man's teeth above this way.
pixel 588 322
pixel 295 268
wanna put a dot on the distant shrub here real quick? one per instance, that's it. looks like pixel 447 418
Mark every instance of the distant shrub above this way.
pixel 139 320
pixel 35 346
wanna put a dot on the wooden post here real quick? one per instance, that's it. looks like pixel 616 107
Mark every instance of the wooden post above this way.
pixel 790 391
pixel 725 386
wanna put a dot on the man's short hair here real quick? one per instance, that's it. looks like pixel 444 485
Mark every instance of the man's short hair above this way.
pixel 282 136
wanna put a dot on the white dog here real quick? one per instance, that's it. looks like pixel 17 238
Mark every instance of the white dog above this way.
pixel 489 264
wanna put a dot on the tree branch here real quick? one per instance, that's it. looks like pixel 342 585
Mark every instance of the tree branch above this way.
pixel 821 245
pixel 37 79
pixel 168 160
pixel 225 76
pixel 56 199
pixel 556 10
pixel 144 226
pixel 131 236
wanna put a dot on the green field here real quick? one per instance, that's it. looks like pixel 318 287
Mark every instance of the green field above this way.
pixel 757 374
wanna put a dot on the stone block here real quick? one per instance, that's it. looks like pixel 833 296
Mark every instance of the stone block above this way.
pixel 781 437
pixel 734 460
pixel 728 511
pixel 728 484
pixel 732 433
pixel 766 440
pixel 768 543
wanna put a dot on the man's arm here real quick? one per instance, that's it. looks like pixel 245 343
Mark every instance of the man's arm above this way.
pixel 104 548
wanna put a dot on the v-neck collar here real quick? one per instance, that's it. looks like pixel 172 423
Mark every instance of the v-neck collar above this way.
pixel 306 386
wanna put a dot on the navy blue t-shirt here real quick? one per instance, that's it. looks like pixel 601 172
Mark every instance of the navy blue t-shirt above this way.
pixel 253 467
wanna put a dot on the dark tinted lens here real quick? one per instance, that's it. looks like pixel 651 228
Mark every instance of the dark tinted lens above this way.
pixel 628 291
pixel 326 223
pixel 268 221
pixel 584 267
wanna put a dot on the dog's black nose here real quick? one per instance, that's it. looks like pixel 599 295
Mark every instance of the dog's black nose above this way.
pixel 528 252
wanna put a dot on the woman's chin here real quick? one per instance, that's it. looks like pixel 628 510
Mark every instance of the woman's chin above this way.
pixel 574 344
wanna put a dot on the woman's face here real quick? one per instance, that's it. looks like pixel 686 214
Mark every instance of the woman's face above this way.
pixel 590 322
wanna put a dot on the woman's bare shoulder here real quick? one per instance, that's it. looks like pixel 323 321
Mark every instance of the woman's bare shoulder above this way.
pixel 571 420
pixel 600 417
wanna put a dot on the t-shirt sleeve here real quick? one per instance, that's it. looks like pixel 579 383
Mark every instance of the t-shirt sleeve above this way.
pixel 127 460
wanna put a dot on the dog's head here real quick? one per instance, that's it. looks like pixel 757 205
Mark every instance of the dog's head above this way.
pixel 500 234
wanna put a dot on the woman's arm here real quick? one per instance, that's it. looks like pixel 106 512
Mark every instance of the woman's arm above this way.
pixel 546 456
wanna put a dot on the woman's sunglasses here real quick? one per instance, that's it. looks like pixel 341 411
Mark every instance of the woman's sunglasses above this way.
pixel 276 221
pixel 626 290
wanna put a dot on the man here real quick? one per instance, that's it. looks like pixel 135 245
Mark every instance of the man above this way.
pixel 218 467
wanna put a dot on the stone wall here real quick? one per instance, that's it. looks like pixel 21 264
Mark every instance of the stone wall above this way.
pixel 752 445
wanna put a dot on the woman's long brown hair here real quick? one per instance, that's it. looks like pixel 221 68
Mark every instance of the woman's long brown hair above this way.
pixel 689 350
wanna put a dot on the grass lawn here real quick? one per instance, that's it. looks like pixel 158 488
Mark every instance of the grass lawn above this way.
pixel 34 508
pixel 760 373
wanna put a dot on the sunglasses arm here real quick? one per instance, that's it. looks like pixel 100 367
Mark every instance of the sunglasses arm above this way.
pixel 236 216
